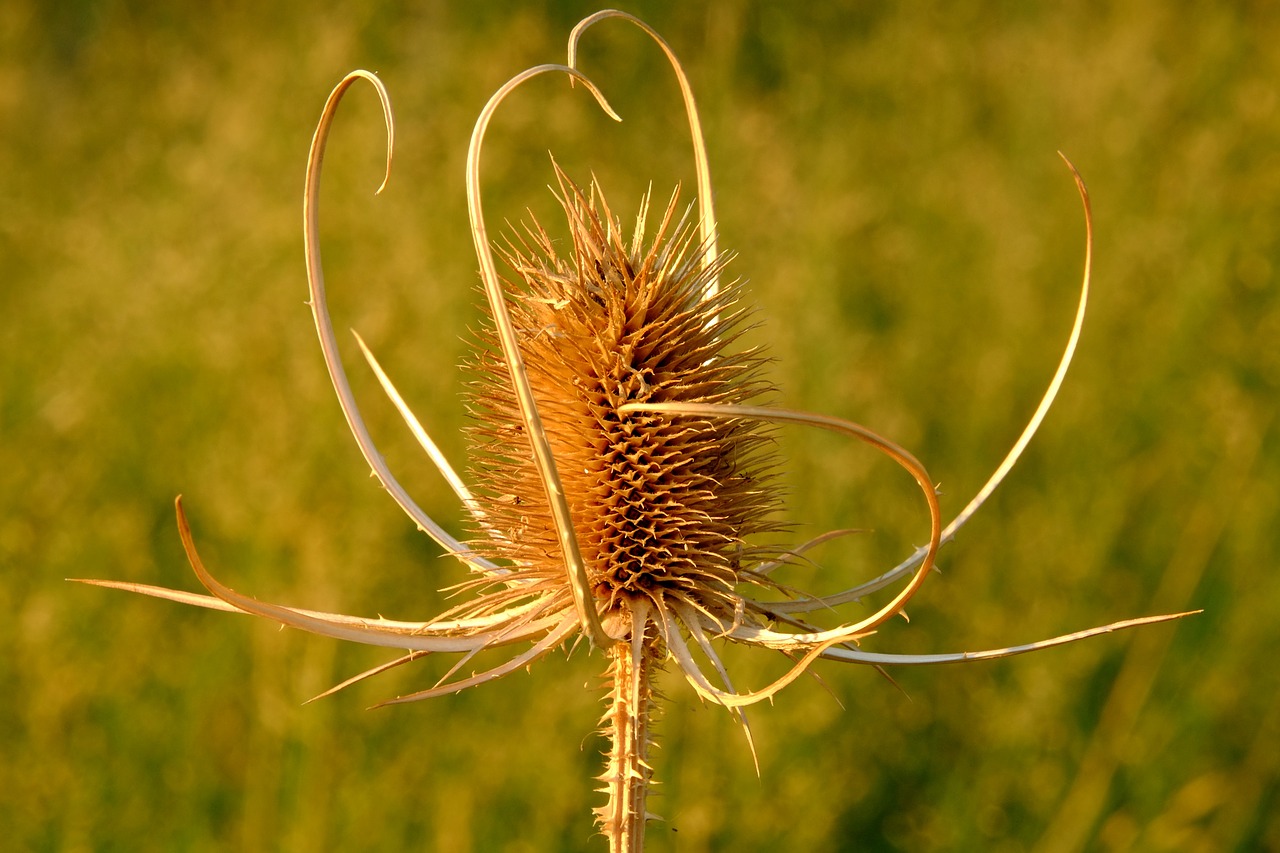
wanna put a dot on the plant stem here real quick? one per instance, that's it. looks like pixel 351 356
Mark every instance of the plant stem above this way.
pixel 626 723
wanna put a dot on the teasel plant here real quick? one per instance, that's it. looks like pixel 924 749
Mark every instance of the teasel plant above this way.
pixel 626 478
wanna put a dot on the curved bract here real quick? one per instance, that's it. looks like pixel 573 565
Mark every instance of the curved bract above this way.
pixel 576 569
pixel 701 163
pixel 625 487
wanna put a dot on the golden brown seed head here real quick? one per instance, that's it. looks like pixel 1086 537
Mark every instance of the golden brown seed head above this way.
pixel 662 506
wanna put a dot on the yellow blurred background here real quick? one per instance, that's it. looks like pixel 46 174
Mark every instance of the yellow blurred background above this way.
pixel 888 179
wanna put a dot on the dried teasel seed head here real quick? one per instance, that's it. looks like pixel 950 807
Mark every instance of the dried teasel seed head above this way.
pixel 662 506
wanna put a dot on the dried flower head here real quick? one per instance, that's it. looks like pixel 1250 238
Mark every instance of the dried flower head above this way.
pixel 625 466
pixel 664 506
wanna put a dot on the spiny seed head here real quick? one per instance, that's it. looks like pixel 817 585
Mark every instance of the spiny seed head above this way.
pixel 662 506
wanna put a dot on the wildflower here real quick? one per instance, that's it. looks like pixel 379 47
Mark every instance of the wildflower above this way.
pixel 626 468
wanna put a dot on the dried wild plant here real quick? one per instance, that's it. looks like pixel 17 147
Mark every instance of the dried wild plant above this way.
pixel 625 465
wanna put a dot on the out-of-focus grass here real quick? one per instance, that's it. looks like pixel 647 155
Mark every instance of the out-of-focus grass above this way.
pixel 889 181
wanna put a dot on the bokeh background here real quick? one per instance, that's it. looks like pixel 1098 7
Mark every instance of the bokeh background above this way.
pixel 888 178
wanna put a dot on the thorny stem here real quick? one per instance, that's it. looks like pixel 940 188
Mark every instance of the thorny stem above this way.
pixel 628 773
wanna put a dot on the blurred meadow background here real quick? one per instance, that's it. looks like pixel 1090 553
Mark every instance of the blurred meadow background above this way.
pixel 888 179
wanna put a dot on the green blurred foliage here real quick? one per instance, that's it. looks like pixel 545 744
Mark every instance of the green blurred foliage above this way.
pixel 887 176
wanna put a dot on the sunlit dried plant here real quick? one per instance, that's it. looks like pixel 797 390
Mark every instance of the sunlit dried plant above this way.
pixel 625 466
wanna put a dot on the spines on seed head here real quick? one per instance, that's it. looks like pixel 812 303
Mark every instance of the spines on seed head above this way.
pixel 661 506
